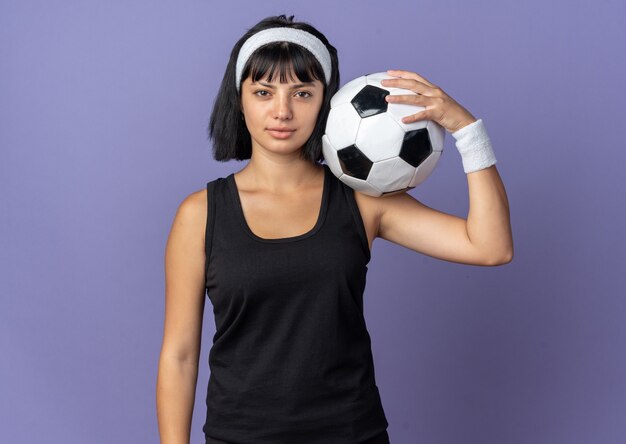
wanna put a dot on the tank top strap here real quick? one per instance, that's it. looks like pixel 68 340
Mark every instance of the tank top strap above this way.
pixel 348 193
pixel 210 223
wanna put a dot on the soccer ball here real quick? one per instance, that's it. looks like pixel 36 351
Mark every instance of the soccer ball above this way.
pixel 368 147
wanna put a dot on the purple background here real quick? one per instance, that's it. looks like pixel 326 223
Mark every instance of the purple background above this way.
pixel 103 115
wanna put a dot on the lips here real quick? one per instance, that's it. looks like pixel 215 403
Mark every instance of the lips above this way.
pixel 289 130
pixel 280 134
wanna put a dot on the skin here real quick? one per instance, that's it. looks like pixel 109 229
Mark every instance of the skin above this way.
pixel 281 196
pixel 280 192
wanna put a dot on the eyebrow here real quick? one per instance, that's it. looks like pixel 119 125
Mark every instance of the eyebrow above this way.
pixel 299 85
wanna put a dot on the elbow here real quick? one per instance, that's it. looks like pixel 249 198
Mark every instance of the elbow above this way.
pixel 508 257
pixel 502 259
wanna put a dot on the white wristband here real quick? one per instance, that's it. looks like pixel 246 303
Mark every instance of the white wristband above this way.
pixel 474 144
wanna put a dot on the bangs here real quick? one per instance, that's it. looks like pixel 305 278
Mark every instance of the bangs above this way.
pixel 286 59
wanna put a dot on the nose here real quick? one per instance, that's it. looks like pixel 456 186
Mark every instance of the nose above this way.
pixel 282 107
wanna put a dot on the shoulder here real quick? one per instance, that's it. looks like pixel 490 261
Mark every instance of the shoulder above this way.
pixel 194 205
pixel 375 210
pixel 366 202
pixel 191 215
pixel 370 209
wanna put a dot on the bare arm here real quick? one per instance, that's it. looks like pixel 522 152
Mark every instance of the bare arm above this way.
pixel 488 220
pixel 176 387
pixel 484 238
pixel 184 307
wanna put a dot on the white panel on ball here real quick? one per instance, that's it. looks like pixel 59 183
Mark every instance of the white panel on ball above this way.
pixel 392 174
pixel 375 78
pixel 424 170
pixel 360 185
pixel 342 125
pixel 330 156
pixel 347 92
pixel 379 137
pixel 437 135
pixel 399 110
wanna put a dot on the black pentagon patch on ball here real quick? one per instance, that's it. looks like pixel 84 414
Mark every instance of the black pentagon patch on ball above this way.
pixel 370 101
pixel 416 147
pixel 354 163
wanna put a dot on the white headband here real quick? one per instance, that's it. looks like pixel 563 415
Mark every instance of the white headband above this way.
pixel 292 35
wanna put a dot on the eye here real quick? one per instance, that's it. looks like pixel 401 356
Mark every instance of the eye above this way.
pixel 261 93
pixel 304 94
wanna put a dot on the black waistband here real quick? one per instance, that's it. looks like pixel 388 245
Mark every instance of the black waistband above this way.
pixel 381 438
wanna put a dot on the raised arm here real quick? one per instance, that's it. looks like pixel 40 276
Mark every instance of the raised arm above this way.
pixel 485 237
pixel 184 307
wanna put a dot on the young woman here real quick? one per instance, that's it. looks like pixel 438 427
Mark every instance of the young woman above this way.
pixel 282 247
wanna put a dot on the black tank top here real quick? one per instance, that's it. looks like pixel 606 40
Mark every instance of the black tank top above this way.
pixel 291 359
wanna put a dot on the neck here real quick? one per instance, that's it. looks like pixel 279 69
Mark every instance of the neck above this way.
pixel 279 174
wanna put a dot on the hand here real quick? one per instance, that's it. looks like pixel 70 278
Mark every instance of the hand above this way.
pixel 440 107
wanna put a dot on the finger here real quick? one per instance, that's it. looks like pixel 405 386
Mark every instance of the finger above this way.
pixel 408 98
pixel 410 84
pixel 422 115
pixel 409 75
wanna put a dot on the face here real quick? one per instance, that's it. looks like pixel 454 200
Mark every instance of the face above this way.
pixel 280 116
